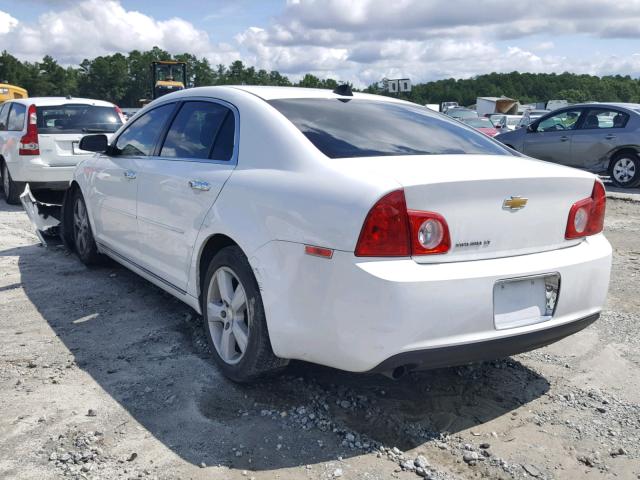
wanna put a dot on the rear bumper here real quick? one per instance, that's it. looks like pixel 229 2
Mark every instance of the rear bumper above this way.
pixel 355 314
pixel 481 351
pixel 39 174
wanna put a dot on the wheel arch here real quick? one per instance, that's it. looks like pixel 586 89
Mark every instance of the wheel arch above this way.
pixel 66 225
pixel 210 247
pixel 634 149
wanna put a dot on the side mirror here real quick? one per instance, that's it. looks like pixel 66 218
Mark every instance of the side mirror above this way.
pixel 532 128
pixel 94 143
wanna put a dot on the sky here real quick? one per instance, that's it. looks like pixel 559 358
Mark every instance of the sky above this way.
pixel 360 41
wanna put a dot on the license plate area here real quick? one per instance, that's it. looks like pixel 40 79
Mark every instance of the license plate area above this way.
pixel 75 149
pixel 518 302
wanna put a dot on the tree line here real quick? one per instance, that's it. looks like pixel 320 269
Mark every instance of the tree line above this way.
pixel 125 79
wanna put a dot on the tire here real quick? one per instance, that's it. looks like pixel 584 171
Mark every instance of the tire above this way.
pixel 11 189
pixel 624 169
pixel 234 319
pixel 83 240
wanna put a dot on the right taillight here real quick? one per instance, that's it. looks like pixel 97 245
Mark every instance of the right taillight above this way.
pixel 586 216
pixel 390 230
pixel 29 142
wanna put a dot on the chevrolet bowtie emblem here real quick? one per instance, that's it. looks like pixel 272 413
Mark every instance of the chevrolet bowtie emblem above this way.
pixel 514 203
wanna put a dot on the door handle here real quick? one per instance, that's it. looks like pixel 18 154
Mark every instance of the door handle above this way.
pixel 610 136
pixel 200 185
pixel 564 138
pixel 130 174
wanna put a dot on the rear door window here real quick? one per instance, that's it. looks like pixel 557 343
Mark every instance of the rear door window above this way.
pixel 342 128
pixel 199 131
pixel 4 114
pixel 603 118
pixel 77 118
pixel 16 117
pixel 139 139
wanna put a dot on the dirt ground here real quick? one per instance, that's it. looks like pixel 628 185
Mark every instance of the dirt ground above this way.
pixel 102 375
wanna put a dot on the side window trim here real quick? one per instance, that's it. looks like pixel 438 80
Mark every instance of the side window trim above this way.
pixel 114 141
pixel 236 134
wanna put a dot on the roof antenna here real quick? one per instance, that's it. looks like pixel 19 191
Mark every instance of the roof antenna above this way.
pixel 344 90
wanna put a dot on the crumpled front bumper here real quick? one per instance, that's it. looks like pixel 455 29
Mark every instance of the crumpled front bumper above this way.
pixel 44 216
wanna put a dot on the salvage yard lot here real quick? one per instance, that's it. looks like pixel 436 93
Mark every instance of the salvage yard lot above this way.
pixel 102 375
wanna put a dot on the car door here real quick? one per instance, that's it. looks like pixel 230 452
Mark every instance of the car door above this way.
pixel 179 185
pixel 115 183
pixel 596 136
pixel 550 137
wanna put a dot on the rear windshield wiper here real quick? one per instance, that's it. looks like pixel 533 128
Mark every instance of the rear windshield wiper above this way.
pixel 96 130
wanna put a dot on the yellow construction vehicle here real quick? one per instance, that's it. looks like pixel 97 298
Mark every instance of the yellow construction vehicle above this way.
pixel 9 92
pixel 168 76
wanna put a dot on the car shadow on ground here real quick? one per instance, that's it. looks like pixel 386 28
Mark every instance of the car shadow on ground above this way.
pixel 148 352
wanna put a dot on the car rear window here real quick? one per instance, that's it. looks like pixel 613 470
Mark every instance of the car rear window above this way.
pixel 77 118
pixel 342 128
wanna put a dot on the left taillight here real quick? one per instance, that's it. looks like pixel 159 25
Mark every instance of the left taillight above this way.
pixel 392 230
pixel 586 216
pixel 29 142
pixel 120 113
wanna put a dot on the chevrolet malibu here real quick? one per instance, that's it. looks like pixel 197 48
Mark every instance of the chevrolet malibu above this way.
pixel 350 230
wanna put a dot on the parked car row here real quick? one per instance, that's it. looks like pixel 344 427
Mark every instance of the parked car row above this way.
pixel 602 138
pixel 39 140
pixel 283 216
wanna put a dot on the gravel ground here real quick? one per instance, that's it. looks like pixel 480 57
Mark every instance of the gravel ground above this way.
pixel 102 375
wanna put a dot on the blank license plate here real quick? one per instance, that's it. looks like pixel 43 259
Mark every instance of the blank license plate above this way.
pixel 521 302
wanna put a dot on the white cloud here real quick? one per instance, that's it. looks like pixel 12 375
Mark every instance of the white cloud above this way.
pixel 96 27
pixel 7 23
pixel 360 41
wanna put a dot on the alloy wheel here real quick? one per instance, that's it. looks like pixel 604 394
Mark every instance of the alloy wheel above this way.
pixel 624 170
pixel 228 315
pixel 81 225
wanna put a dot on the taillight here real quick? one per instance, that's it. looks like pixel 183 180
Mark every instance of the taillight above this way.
pixel 429 233
pixel 390 230
pixel 121 114
pixel 586 217
pixel 29 143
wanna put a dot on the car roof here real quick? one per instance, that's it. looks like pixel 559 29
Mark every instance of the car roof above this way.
pixel 274 93
pixel 630 106
pixel 54 101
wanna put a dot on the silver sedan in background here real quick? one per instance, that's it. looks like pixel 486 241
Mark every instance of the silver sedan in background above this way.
pixel 602 138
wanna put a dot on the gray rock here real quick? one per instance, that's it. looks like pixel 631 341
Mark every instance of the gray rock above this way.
pixel 345 404
pixel 91 413
pixel 350 437
pixel 470 457
pixel 531 470
pixel 337 473
pixel 407 465
pixel 421 462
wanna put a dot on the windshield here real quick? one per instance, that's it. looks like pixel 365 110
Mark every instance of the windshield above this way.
pixel 479 122
pixel 342 128
pixel 77 118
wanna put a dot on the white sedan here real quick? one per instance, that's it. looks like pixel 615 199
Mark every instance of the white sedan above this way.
pixel 355 231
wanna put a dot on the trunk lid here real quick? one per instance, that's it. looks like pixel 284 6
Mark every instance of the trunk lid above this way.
pixel 62 149
pixel 470 192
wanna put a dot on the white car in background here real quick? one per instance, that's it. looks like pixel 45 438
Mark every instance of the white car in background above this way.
pixel 39 139
pixel 350 230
